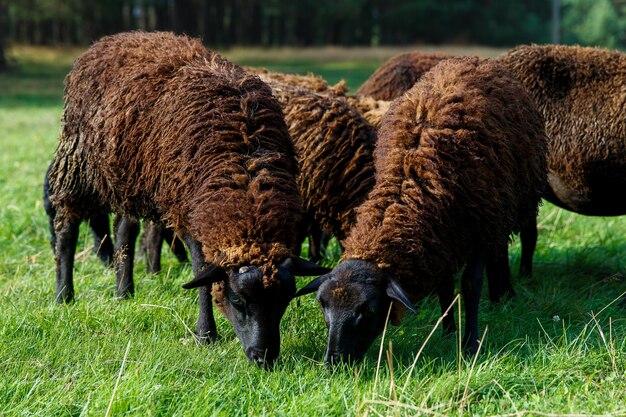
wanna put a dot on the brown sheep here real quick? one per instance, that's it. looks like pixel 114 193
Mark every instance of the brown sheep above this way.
pixel 399 73
pixel 581 93
pixel 155 126
pixel 334 147
pixel 450 189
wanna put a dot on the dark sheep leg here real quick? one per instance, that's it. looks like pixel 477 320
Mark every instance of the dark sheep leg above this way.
pixel 50 211
pixel 175 244
pixel 66 239
pixel 499 274
pixel 528 236
pixel 471 286
pixel 315 242
pixel 206 328
pixel 126 231
pixel 445 290
pixel 102 243
pixel 151 243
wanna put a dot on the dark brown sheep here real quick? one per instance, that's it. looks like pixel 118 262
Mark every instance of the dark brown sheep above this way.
pixel 157 127
pixel 399 73
pixel 450 189
pixel 334 147
pixel 581 93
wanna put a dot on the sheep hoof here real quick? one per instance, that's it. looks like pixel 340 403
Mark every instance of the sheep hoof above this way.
pixel 64 296
pixel 207 339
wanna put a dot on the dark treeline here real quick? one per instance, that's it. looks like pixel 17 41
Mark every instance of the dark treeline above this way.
pixel 282 22
pixel 223 23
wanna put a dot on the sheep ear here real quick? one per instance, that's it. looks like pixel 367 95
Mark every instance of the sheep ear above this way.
pixel 395 292
pixel 207 276
pixel 312 286
pixel 303 268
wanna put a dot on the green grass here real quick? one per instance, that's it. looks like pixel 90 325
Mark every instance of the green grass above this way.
pixel 558 348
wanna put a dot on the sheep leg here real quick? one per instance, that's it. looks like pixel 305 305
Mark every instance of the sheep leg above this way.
pixel 206 328
pixel 528 236
pixel 50 211
pixel 126 231
pixel 66 239
pixel 102 243
pixel 151 244
pixel 315 242
pixel 471 286
pixel 445 290
pixel 175 244
pixel 499 274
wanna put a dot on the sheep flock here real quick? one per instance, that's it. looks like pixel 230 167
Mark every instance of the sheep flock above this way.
pixel 429 168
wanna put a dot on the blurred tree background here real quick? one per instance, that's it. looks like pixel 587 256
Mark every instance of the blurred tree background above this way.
pixel 223 23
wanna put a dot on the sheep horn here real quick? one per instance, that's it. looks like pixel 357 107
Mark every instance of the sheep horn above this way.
pixel 303 268
pixel 207 276
pixel 395 292
pixel 312 286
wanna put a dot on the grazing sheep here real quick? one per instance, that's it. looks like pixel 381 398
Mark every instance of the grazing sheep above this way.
pixel 450 189
pixel 581 93
pixel 157 127
pixel 334 147
pixel 398 74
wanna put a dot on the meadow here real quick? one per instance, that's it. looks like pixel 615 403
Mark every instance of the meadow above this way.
pixel 557 349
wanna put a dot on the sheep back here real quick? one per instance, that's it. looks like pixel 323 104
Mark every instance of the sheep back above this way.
pixel 460 163
pixel 581 93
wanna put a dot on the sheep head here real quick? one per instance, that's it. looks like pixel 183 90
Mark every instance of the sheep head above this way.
pixel 255 309
pixel 355 298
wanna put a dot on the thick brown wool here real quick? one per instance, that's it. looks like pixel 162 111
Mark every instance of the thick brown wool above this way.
pixel 310 81
pixel 372 110
pixel 156 126
pixel 581 93
pixel 398 74
pixel 334 146
pixel 460 164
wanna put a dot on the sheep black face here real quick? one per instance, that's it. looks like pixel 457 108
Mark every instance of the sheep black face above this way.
pixel 254 310
pixel 354 298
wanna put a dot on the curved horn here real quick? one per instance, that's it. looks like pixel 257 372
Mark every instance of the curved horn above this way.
pixel 313 285
pixel 207 276
pixel 304 268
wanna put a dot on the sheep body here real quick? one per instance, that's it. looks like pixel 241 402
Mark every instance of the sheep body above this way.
pixel 157 127
pixel 450 188
pixel 581 93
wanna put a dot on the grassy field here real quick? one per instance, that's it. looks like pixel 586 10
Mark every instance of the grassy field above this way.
pixel 559 348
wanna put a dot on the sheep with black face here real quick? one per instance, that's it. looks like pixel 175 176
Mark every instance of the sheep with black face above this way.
pixel 158 127
pixel 450 189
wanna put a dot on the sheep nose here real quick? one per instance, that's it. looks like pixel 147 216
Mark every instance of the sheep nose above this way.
pixel 261 358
